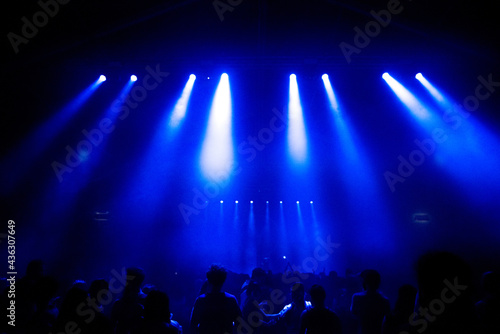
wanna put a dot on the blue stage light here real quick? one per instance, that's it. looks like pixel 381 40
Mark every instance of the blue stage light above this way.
pixel 133 78
pixel 180 108
pixel 102 78
pixel 217 154
pixel 408 99
pixel 297 140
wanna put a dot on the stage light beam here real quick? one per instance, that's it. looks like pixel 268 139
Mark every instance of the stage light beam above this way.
pixel 297 142
pixel 409 100
pixel 432 90
pixel 329 92
pixel 181 106
pixel 133 78
pixel 217 155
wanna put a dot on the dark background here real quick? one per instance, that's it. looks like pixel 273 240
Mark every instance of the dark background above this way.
pixel 259 44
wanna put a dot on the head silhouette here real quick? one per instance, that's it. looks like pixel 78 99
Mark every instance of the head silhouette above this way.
pixel 371 279
pixel 135 277
pixel 156 307
pixel 318 295
pixel 491 283
pixel 216 276
pixel 436 268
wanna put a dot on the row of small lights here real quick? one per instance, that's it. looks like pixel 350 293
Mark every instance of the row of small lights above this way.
pixel 267 202
pixel 102 78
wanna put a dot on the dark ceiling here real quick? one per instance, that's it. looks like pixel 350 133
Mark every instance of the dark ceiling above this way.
pixel 135 31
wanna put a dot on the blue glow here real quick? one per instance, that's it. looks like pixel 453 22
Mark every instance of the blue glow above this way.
pixel 348 147
pixel 330 93
pixel 311 202
pixel 468 151
pixel 409 100
pixel 102 78
pixel 352 159
pixel 236 202
pixel 432 90
pixel 37 142
pixel 181 106
pixel 133 78
pixel 217 154
pixel 281 202
pixel 251 202
pixel 251 245
pixel 297 202
pixel 297 142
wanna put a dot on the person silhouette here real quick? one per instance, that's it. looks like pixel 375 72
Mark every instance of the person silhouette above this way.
pixel 157 315
pixel 215 312
pixel 397 320
pixel 444 299
pixel 319 319
pixel 290 314
pixel 370 306
pixel 127 312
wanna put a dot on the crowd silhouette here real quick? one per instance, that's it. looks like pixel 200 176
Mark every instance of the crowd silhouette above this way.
pixel 444 301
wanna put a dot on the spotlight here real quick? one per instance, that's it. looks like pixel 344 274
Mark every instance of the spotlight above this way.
pixel 251 202
pixel 192 77
pixel 221 201
pixel 324 76
pixel 133 78
pixel 236 202
pixel 217 150
pixel 419 76
pixel 385 76
pixel 102 78
pixel 281 202
pixel 297 202
pixel 267 202
pixel 311 202
pixel 284 257
pixel 293 76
